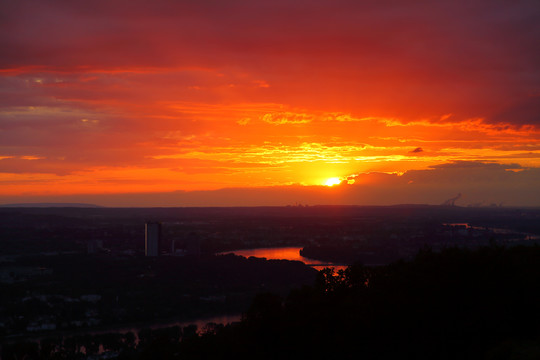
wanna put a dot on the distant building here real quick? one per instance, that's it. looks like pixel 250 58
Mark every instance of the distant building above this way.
pixel 193 245
pixel 152 238
pixel 94 246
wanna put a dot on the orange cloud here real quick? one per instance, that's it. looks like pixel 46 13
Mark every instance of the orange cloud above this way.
pixel 286 118
pixel 184 96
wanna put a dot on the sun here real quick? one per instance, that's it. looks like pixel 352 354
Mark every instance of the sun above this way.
pixel 333 181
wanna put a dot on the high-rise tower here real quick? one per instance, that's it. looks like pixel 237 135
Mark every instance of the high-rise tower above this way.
pixel 152 238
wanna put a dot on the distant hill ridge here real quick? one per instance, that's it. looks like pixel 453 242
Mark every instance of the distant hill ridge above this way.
pixel 55 205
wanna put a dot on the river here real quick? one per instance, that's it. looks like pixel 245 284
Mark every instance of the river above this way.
pixel 285 253
pixel 281 253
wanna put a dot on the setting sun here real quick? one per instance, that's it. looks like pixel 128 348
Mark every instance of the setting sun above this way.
pixel 332 181
pixel 252 115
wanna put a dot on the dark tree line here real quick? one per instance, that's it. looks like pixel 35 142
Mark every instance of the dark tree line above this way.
pixel 457 304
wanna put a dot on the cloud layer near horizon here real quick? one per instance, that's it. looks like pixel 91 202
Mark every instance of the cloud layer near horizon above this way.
pixel 105 97
pixel 479 186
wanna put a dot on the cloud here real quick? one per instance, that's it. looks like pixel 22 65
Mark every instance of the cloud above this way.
pixel 282 118
pixel 478 182
pixel 385 59
pixel 98 87
pixel 244 121
pixel 461 164
pixel 522 112
pixel 432 186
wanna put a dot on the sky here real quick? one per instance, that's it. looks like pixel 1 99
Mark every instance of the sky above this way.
pixel 259 102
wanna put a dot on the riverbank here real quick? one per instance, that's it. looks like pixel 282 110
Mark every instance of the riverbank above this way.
pixel 84 293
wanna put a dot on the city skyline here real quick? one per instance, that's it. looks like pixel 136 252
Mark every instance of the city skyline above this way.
pixel 250 103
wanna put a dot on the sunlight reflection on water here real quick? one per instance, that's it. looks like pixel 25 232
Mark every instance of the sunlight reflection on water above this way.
pixel 285 253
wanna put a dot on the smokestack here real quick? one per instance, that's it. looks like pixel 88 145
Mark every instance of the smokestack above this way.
pixel 451 202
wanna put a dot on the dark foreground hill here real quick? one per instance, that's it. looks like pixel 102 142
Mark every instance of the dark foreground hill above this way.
pixel 457 304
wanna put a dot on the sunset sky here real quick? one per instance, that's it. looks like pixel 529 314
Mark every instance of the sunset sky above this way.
pixel 219 103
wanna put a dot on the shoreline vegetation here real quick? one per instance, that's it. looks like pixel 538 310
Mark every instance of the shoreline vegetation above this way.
pixel 93 292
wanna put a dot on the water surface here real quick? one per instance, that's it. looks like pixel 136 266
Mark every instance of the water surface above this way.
pixel 285 253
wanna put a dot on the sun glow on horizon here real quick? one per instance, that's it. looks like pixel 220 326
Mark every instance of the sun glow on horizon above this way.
pixel 282 119
pixel 333 181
